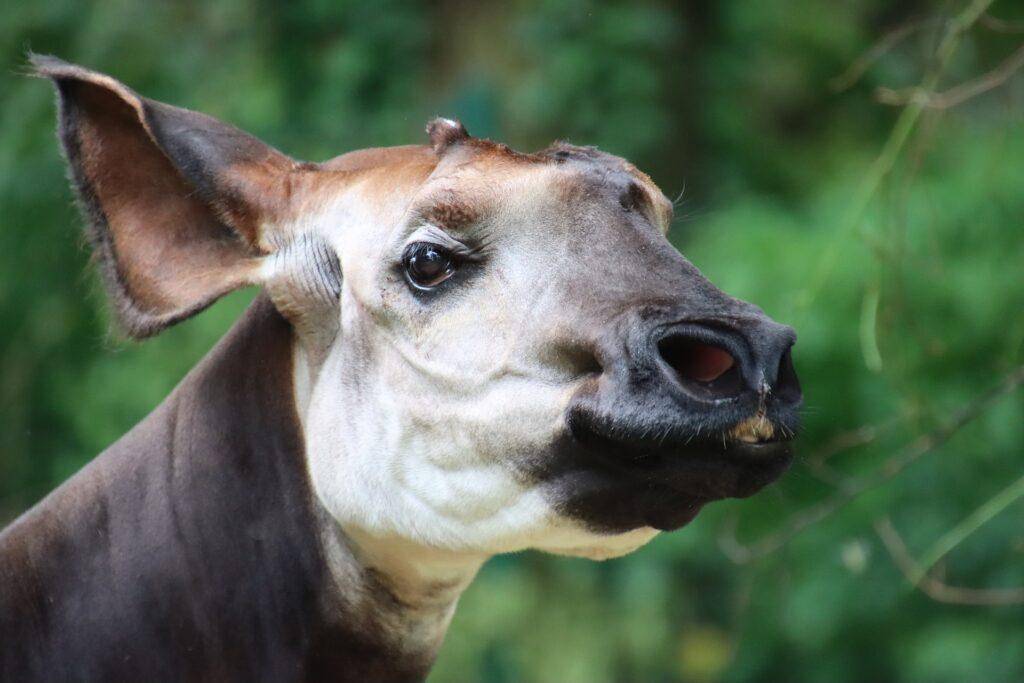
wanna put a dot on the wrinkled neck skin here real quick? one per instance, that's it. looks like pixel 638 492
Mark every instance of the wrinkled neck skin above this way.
pixel 407 592
pixel 402 590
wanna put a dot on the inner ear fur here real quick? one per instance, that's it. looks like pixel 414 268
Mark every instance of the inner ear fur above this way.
pixel 175 200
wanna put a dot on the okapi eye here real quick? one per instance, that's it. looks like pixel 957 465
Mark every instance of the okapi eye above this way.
pixel 427 265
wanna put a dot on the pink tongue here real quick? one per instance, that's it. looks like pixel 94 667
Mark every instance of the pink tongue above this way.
pixel 707 363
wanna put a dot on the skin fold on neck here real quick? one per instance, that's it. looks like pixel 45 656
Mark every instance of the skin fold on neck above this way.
pixel 406 590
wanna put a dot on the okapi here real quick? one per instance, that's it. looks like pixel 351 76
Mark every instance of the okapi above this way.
pixel 459 350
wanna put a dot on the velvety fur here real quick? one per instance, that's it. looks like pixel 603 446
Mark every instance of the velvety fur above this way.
pixel 188 549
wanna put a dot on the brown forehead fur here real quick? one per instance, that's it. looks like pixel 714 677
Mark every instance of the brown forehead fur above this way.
pixel 588 166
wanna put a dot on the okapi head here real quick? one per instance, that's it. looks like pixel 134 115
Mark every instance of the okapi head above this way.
pixel 493 351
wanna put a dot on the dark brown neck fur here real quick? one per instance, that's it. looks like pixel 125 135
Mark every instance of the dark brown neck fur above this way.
pixel 189 550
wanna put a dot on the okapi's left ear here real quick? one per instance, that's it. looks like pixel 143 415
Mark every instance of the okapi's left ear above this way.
pixel 178 203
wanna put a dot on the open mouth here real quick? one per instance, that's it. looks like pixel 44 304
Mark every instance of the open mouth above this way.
pixel 674 485
pixel 635 479
pixel 752 442
pixel 711 469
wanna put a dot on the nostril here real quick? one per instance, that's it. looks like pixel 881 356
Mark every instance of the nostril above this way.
pixel 787 384
pixel 705 363
pixel 705 370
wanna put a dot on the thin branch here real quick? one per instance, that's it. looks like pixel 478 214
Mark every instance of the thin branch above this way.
pixel 886 159
pixel 958 94
pixel 868 327
pixel 866 60
pixel 955 536
pixel 853 487
pixel 853 438
pixel 824 472
pixel 935 588
pixel 1000 25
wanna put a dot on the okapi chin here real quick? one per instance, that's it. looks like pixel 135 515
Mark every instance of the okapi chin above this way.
pixel 460 350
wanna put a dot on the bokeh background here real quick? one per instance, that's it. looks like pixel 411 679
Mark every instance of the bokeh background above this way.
pixel 855 167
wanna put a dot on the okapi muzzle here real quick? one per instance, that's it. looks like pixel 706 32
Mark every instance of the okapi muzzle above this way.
pixel 458 350
pixel 696 402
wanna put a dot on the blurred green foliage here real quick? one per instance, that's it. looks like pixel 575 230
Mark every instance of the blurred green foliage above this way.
pixel 905 313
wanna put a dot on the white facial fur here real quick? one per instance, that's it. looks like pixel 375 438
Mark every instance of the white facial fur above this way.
pixel 420 411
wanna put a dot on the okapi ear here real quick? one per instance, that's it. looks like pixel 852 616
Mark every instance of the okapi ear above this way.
pixel 176 201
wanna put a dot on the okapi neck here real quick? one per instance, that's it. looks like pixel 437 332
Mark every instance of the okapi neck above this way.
pixel 193 548
pixel 408 592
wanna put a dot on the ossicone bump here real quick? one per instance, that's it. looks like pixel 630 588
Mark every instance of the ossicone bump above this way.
pixel 444 133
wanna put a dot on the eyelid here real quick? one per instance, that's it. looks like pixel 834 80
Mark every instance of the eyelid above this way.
pixel 434 234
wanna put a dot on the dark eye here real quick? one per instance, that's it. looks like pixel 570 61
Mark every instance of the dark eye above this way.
pixel 427 265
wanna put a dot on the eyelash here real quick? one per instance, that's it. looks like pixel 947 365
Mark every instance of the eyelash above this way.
pixel 461 256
